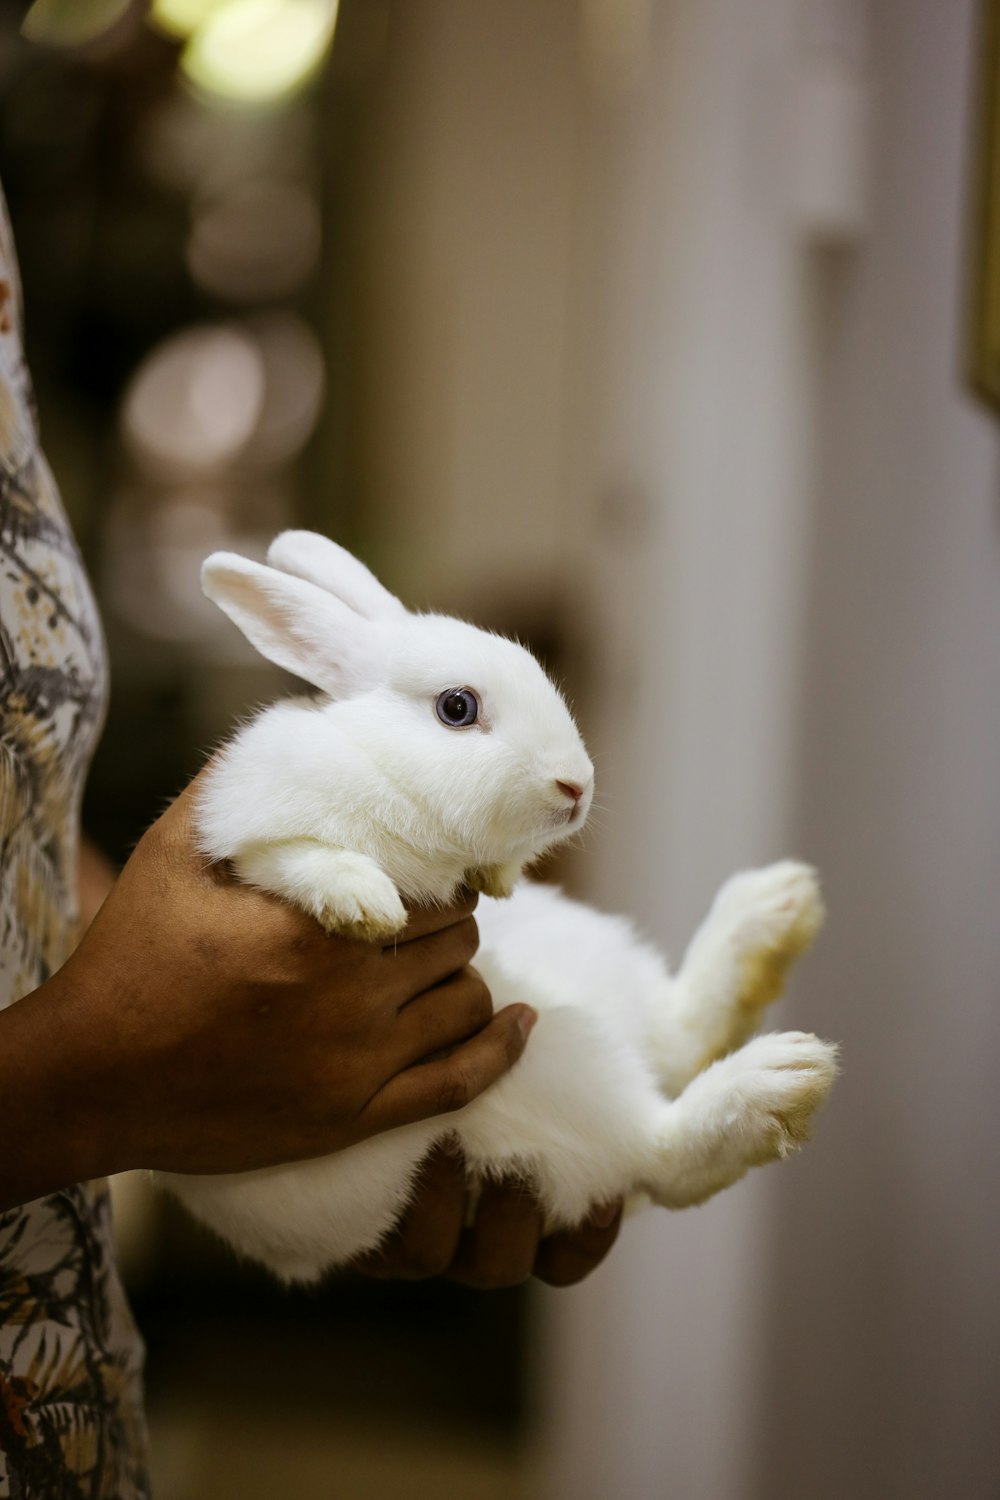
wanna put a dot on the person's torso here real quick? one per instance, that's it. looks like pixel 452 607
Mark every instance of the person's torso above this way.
pixel 70 1360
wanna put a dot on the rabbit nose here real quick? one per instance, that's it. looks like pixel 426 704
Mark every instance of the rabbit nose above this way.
pixel 570 789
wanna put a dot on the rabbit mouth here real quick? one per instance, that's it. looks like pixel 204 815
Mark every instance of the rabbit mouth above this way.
pixel 571 817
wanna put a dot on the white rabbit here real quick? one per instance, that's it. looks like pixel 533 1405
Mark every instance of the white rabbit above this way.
pixel 438 754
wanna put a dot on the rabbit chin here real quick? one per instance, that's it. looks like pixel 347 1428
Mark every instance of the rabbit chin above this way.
pixel 513 830
pixel 548 832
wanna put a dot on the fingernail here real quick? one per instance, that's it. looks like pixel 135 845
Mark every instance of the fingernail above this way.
pixel 605 1214
pixel 526 1020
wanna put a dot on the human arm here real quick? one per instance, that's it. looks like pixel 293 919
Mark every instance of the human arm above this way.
pixel 202 1026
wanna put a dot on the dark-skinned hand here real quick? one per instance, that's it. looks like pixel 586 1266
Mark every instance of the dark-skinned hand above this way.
pixel 202 1026
pixel 505 1243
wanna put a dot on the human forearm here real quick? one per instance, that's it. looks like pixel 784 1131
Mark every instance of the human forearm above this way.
pixel 49 1112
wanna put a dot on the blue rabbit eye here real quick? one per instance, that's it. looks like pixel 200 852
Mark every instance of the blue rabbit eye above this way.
pixel 458 708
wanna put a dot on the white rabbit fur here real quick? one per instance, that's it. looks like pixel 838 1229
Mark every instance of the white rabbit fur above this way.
pixel 629 1083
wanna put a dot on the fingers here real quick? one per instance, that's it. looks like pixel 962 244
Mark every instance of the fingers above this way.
pixel 424 962
pixel 437 1088
pixel 426 919
pixel 567 1257
pixel 499 1250
pixel 426 1238
pixel 503 1248
pixel 441 1018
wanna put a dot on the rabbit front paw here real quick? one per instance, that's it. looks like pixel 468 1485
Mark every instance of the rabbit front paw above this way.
pixel 346 892
pixel 359 900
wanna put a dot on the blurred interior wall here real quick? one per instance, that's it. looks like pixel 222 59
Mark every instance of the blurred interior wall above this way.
pixel 699 430
pixel 813 616
pixel 463 223
pixel 881 1366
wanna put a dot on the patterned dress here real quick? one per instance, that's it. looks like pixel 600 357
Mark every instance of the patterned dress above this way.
pixel 70 1360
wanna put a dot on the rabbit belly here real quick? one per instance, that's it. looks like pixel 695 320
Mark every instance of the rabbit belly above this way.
pixel 577 1117
pixel 575 957
pixel 300 1220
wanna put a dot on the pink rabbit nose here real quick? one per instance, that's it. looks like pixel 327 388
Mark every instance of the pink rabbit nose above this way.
pixel 571 789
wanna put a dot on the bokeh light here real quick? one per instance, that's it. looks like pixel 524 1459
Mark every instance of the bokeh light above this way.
pixel 69 23
pixel 182 17
pixel 256 240
pixel 294 383
pixel 258 51
pixel 194 402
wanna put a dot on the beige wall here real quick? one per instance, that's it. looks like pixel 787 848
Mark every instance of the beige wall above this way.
pixel 702 422
pixel 833 1328
pixel 880 1369
pixel 463 234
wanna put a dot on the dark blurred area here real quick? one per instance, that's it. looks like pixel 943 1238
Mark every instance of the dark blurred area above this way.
pixel 186 266
pixel 173 257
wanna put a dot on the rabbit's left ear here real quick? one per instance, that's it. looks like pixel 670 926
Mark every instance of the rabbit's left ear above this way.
pixel 295 624
pixel 307 554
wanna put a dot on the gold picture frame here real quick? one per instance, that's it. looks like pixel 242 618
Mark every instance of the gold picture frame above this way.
pixel 984 330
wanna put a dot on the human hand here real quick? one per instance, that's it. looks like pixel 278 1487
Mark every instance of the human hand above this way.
pixel 202 1026
pixel 504 1245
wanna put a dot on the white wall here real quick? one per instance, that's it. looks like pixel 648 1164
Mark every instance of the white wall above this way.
pixel 833 1328
pixel 881 1367
pixel 702 421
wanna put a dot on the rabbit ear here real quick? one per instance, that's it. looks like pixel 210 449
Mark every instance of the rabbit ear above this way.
pixel 309 555
pixel 294 624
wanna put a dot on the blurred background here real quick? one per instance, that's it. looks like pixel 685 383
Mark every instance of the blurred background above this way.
pixel 637 327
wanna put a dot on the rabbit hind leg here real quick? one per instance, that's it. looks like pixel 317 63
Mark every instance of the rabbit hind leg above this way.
pixel 750 1108
pixel 736 965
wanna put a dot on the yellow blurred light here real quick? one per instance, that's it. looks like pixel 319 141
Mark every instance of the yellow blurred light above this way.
pixel 259 50
pixel 182 17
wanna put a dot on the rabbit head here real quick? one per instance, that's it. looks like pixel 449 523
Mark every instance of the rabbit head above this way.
pixel 463 724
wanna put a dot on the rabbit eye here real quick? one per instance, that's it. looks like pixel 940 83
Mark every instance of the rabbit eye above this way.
pixel 458 708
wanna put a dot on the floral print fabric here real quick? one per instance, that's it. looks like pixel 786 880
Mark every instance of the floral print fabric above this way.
pixel 71 1424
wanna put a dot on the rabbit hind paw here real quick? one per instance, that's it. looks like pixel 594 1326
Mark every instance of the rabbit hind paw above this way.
pixel 773 916
pixel 753 1107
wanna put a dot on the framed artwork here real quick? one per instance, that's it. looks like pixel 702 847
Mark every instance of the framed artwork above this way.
pixel 984 330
